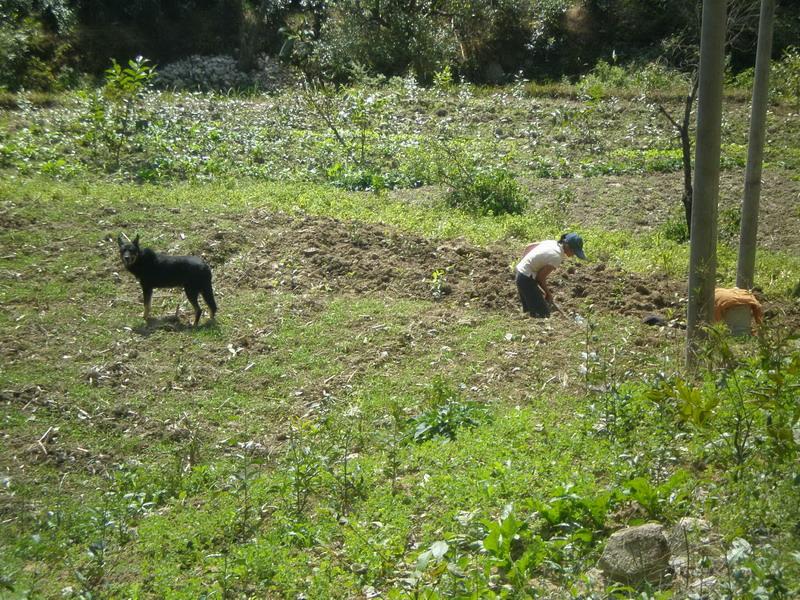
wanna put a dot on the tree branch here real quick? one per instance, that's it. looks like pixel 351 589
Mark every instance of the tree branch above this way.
pixel 664 112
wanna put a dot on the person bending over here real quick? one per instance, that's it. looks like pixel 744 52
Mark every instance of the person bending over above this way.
pixel 538 261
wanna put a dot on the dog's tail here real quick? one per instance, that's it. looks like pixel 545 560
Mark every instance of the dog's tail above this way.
pixel 208 296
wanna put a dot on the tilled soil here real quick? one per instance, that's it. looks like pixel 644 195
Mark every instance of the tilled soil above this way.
pixel 311 253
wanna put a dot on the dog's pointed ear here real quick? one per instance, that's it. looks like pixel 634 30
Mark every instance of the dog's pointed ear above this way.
pixel 120 241
pixel 136 240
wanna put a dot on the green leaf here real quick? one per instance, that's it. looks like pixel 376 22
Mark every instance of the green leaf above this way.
pixel 583 535
pixel 492 541
pixel 423 560
pixel 439 549
pixel 740 550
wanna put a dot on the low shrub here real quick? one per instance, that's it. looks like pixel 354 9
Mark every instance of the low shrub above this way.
pixel 116 116
pixel 356 179
pixel 491 192
pixel 785 76
pixel 606 78
pixel 446 414
pixel 675 229
pixel 729 223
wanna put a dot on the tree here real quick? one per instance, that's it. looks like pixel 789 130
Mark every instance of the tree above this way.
pixel 755 150
pixel 703 251
pixel 683 127
pixel 476 39
pixel 35 44
pixel 686 53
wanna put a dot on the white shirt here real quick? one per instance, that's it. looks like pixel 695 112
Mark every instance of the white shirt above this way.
pixel 545 253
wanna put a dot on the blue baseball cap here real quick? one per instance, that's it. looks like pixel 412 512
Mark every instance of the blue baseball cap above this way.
pixel 575 243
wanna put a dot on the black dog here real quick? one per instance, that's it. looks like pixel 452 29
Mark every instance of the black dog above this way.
pixel 154 270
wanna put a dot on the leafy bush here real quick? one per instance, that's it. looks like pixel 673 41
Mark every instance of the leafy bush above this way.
pixel 443 80
pixel 756 573
pixel 676 229
pixel 445 420
pixel 747 411
pixel 607 78
pixel 656 76
pixel 482 40
pixel 605 75
pixel 390 39
pixel 514 550
pixel 128 83
pixel 729 223
pixel 487 192
pixel 743 79
pixel 623 161
pixel 34 45
pixel 785 76
pixel 356 179
pixel 116 114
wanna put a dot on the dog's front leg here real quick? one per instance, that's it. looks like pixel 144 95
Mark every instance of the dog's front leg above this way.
pixel 148 297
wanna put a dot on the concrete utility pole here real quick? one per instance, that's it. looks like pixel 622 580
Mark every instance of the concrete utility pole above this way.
pixel 703 253
pixel 745 272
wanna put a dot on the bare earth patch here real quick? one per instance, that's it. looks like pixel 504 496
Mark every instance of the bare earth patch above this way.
pixel 309 253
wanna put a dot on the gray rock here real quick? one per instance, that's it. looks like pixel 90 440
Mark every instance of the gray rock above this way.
pixel 636 554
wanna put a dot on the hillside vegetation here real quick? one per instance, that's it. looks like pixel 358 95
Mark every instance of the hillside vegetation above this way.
pixel 63 44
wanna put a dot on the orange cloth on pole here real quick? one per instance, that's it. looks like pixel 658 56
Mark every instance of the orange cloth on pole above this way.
pixel 727 298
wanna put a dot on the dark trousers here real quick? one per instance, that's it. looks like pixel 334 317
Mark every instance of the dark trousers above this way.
pixel 531 296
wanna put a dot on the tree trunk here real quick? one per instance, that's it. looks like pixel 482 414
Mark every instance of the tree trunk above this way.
pixel 250 38
pixel 684 129
pixel 758 124
pixel 703 253
pixel 686 148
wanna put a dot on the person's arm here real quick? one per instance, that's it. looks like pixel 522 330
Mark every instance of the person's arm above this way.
pixel 541 279
pixel 528 248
